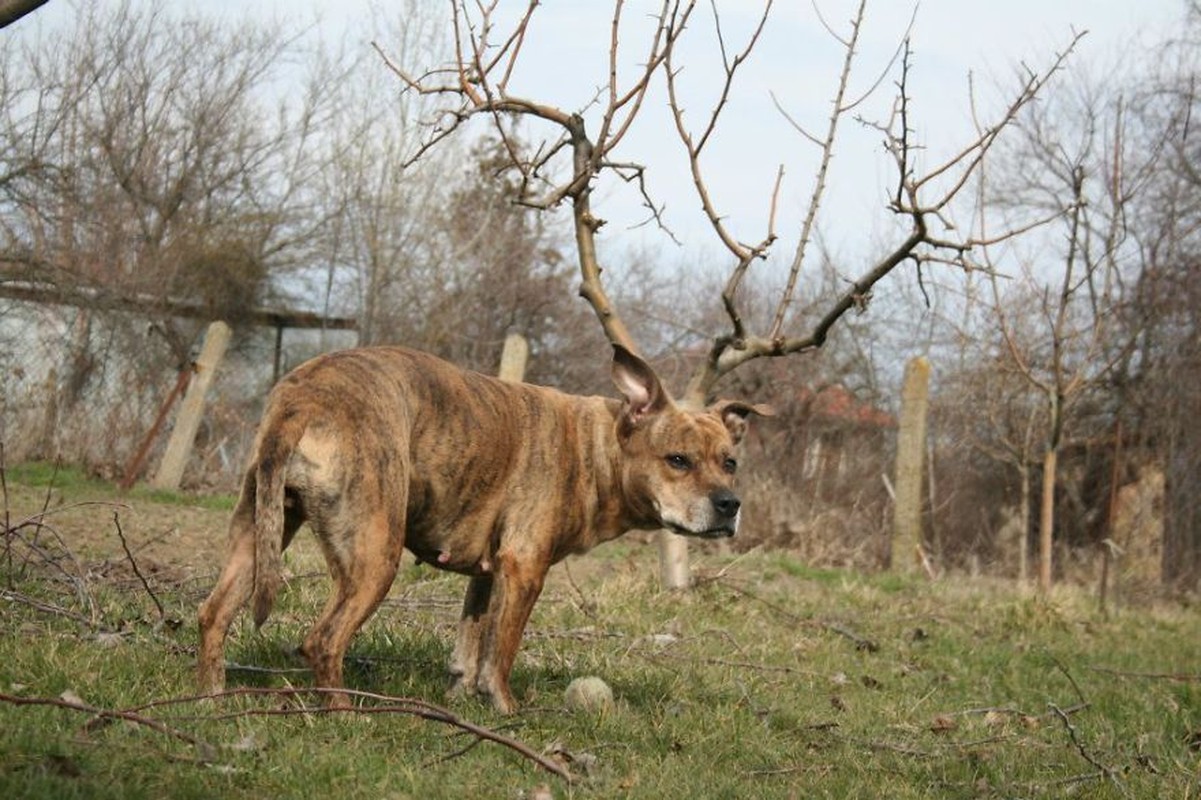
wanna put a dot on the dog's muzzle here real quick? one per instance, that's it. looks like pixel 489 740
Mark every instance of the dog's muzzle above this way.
pixel 722 519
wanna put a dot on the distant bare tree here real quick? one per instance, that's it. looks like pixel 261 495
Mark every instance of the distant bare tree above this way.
pixel 1159 385
pixel 1055 303
pixel 145 165
pixel 989 406
pixel 379 242
pixel 146 156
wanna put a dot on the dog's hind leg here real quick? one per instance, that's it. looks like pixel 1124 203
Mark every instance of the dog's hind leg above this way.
pixel 234 587
pixel 232 591
pixel 363 565
pixel 465 661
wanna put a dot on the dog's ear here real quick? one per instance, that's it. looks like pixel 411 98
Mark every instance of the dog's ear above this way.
pixel 734 415
pixel 636 380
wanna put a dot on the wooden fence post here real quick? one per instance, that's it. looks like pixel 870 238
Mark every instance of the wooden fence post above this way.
pixel 674 570
pixel 907 553
pixel 513 358
pixel 179 446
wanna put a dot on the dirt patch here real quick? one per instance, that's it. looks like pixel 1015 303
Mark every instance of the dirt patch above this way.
pixel 186 539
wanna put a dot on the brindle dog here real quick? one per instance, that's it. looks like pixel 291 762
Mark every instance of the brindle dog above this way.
pixel 385 448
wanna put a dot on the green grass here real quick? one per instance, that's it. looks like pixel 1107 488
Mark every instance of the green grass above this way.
pixel 79 484
pixel 758 683
pixel 48 473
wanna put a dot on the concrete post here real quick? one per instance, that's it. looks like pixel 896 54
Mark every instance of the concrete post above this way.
pixel 179 447
pixel 911 446
pixel 513 358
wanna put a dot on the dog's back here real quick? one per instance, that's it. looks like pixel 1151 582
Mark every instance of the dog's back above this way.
pixel 463 450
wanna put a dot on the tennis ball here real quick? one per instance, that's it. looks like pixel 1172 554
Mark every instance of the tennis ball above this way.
pixel 589 693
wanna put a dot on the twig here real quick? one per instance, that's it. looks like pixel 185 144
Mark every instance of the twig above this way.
pixel 585 634
pixel 721 573
pixel 50 559
pixel 722 662
pixel 584 604
pixel 1108 772
pixel 8 531
pixel 861 642
pixel 818 193
pixel 1075 686
pixel 390 705
pixel 1180 677
pixel 17 597
pixel 37 520
pixel 267 670
pixel 136 570
pixel 1074 779
pixel 461 751
pixel 205 751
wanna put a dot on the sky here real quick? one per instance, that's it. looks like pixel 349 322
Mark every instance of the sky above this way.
pixel 798 63
pixel 795 65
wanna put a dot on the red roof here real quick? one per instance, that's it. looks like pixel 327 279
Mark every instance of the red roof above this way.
pixel 835 403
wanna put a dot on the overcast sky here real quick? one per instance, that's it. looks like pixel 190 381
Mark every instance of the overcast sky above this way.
pixel 797 61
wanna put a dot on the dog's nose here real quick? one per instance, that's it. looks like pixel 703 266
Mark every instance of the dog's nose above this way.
pixel 725 503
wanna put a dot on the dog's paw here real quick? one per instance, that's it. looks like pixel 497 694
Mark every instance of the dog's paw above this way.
pixel 498 694
pixel 460 686
pixel 503 703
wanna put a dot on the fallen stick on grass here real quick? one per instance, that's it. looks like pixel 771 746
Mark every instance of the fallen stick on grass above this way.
pixel 388 705
pixel 206 753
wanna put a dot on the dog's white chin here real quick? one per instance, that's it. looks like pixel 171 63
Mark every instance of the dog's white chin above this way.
pixel 704 530
pixel 705 533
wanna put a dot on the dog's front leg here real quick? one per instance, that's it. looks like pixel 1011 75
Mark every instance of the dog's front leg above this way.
pixel 465 661
pixel 517 586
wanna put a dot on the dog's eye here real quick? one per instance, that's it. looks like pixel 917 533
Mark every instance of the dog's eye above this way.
pixel 730 466
pixel 680 462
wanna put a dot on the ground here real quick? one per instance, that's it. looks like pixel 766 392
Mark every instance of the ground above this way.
pixel 768 679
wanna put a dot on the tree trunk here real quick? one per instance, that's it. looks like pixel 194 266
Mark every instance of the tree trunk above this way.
pixel 1181 511
pixel 1024 526
pixel 13 10
pixel 1046 520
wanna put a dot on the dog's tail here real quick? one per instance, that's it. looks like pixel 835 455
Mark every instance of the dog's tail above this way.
pixel 274 449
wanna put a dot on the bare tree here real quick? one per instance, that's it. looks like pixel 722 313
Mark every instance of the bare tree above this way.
pixel 150 160
pixel 986 403
pixel 378 245
pixel 1157 387
pixel 479 83
pixel 1074 161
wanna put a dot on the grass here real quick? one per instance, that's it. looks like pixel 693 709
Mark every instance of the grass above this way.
pixel 77 483
pixel 769 679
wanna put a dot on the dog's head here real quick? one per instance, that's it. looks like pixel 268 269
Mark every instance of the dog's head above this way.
pixel 678 465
